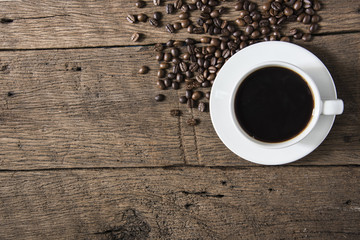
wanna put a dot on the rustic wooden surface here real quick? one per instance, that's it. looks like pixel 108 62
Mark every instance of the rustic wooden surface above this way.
pixel 86 153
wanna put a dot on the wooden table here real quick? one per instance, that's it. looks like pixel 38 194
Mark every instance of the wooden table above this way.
pixel 86 152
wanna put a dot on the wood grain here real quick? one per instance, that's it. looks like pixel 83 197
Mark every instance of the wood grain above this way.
pixel 77 23
pixel 181 203
pixel 90 108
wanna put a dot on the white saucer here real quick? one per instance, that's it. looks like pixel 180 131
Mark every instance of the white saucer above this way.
pixel 228 76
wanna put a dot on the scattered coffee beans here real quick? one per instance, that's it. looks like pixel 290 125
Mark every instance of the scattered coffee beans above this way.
pixel 192 64
pixel 159 97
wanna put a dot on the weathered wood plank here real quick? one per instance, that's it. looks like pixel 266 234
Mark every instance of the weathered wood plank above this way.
pixel 185 203
pixel 90 108
pixel 59 24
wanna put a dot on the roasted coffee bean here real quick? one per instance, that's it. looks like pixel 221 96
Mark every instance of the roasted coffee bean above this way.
pixel 266 6
pixel 215 14
pixel 196 95
pixel 189 74
pixel 192 7
pixel 183 15
pixel 185 56
pixel 307 4
pixel 212 69
pixel 191 49
pixel 161 85
pixel 207 95
pixel 200 62
pixel 316 5
pixel 179 78
pixel 264 23
pixel 238 6
pixel 199 5
pixel 178 43
pixel 193 58
pixel 285 39
pixel 188 94
pixel 223 45
pixel 307 19
pixel 185 8
pixel 190 41
pixel 313 27
pixel 157 2
pixel 298 35
pixel 178 4
pixel 213 3
pixel 135 37
pixel 206 63
pixel 206 74
pixel 169 8
pixel 175 52
pixel 131 18
pixel 142 17
pixel 301 17
pixel 176 69
pixel 200 78
pixel 292 18
pixel 140 4
pixel 171 75
pixel 243 13
pixel 167 57
pixel 217 22
pixel 272 20
pixel 159 97
pixel 170 43
pixel 183 99
pixel 205 84
pixel 276 6
pixel 170 28
pixel 143 70
pixel 159 56
pixel 168 82
pixel 240 22
pixel 249 29
pixel 202 107
pixel 177 26
pixel 175 85
pixel 157 16
pixel 161 73
pixel 281 20
pixel 205 40
pixel 206 9
pixel 255 34
pixel 153 22
pixel 193 67
pixel 315 18
pixel 185 23
pixel 248 19
pixel 226 53
pixel 306 37
pixel 213 61
pixel 297 5
pixel 264 30
pixel 176 60
pixel 288 11
pixel 164 65
pixel 211 77
pixel 310 11
pixel 215 42
pixel 198 30
pixel 183 66
pixel 224 24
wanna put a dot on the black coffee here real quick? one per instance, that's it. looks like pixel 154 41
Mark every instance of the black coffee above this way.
pixel 273 104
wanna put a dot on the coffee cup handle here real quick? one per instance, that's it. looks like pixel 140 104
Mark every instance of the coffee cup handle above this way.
pixel 332 107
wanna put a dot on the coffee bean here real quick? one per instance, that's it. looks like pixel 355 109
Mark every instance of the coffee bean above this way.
pixel 306 37
pixel 315 18
pixel 272 20
pixel 215 42
pixel 215 14
pixel 183 99
pixel 205 40
pixel 171 75
pixel 159 97
pixel 157 16
pixel 292 18
pixel 276 6
pixel 170 28
pixel 196 95
pixel 200 62
pixel 153 22
pixel 316 5
pixel 202 107
pixel 158 47
pixel 183 15
pixel 240 22
pixel 249 29
pixel 157 2
pixel 167 57
pixel 185 23
pixel 177 26
pixel 161 85
pixel 211 77
pixel 205 84
pixel 264 23
pixel 178 43
pixel 135 37
pixel 285 39
pixel 179 77
pixel 131 18
pixel 243 13
pixel 264 30
pixel 164 65
pixel 190 41
pixel 298 35
pixel 143 70
pixel 185 8
pixel 140 4
pixel 200 78
pixel 255 34
pixel 207 95
pixel 281 20
pixel 206 9
pixel 178 4
pixel 175 85
pixel 301 17
pixel 169 8
pixel 168 82
pixel 142 17
pixel 313 27
pixel 288 11
pixel 213 3
pixel 192 122
pixel 297 5
pixel 266 6
pixel 212 69
pixel 310 11
pixel 183 66
pixel 161 73
pixel 185 56
pixel 192 7
pixel 307 19
pixel 193 67
pixel 198 30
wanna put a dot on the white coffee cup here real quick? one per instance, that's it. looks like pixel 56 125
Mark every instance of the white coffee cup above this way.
pixel 321 106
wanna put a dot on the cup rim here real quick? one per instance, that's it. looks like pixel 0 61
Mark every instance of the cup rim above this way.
pixel 315 113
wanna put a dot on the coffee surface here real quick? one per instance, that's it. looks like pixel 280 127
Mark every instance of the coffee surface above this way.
pixel 273 104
